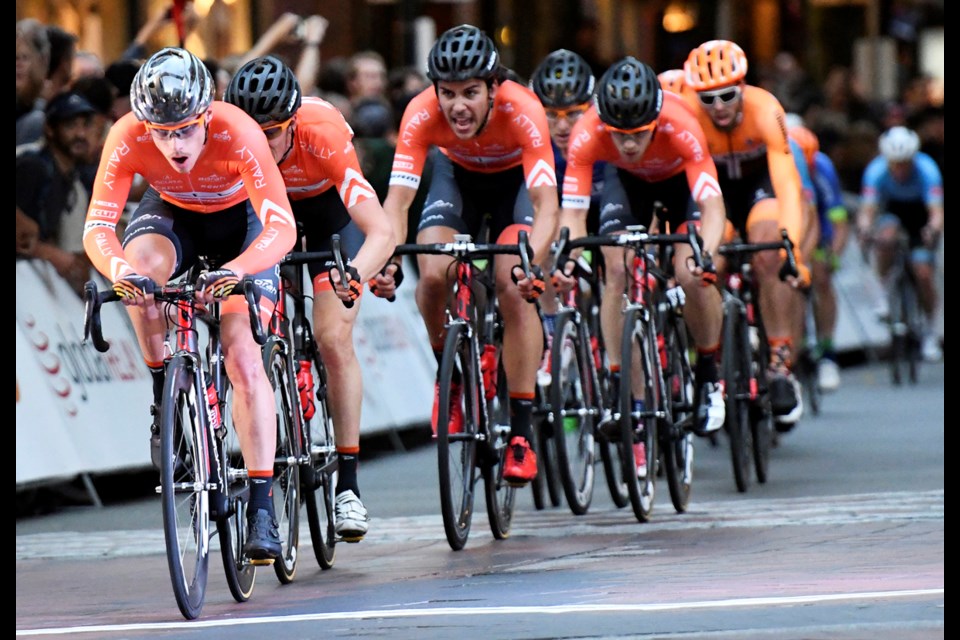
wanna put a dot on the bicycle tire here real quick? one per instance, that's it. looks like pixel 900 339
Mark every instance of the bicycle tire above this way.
pixel 638 339
pixel 232 523
pixel 676 435
pixel 574 403
pixel 457 453
pixel 184 485
pixel 286 461
pixel 546 485
pixel 499 495
pixel 318 477
pixel 736 376
pixel 911 311
pixel 762 429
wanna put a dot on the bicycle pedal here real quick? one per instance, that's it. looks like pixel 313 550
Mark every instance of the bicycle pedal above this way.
pixel 261 562
pixel 350 540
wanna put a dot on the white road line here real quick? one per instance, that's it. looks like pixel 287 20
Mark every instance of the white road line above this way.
pixel 489 611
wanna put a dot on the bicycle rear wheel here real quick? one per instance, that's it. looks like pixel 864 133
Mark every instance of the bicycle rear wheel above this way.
pixel 575 406
pixel 675 433
pixel 231 507
pixel 736 376
pixel 546 485
pixel 286 460
pixel 457 453
pixel 500 497
pixel 184 485
pixel 318 477
pixel 639 352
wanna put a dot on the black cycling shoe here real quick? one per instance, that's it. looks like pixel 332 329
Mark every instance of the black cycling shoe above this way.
pixel 263 537
pixel 783 394
pixel 155 436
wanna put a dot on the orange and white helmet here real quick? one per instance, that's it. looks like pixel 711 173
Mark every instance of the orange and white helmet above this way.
pixel 671 80
pixel 714 65
pixel 807 140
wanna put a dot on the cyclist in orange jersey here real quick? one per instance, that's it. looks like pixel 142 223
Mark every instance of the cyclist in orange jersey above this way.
pixel 495 158
pixel 313 146
pixel 655 152
pixel 214 191
pixel 747 137
pixel 672 80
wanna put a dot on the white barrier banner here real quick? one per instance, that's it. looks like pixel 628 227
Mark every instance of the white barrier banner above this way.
pixel 78 410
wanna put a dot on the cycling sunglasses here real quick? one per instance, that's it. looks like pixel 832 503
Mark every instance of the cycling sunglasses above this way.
pixel 180 131
pixel 726 96
pixel 650 126
pixel 571 113
pixel 274 131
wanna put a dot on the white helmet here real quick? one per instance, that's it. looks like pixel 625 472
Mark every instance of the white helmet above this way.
pixel 899 144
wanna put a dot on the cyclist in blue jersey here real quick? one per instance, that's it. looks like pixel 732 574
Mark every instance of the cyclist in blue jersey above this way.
pixel 902 188
pixel 825 259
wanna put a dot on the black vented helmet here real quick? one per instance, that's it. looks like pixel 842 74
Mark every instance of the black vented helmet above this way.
pixel 172 86
pixel 462 53
pixel 629 95
pixel 266 89
pixel 563 79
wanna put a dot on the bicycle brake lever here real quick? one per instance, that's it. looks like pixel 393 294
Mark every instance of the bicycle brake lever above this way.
pixel 340 266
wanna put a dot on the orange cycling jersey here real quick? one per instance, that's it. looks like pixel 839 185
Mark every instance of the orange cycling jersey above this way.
pixel 323 156
pixel 757 143
pixel 678 145
pixel 515 133
pixel 234 165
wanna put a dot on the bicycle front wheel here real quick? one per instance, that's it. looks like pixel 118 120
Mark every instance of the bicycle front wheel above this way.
pixel 319 477
pixel 231 507
pixel 575 405
pixel 457 452
pixel 736 376
pixel 286 461
pixel 500 496
pixel 184 485
pixel 676 434
pixel 638 424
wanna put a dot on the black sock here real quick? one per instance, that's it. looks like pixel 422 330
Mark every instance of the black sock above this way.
pixel 159 375
pixel 261 494
pixel 521 410
pixel 706 367
pixel 347 472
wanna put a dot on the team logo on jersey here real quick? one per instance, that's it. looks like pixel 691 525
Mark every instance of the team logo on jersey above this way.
pixel 542 175
pixel 355 188
pixel 222 136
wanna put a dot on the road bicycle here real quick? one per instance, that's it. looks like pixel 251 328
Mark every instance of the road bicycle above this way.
pixel 579 380
pixel 646 424
pixel 904 318
pixel 474 340
pixel 546 486
pixel 305 469
pixel 745 356
pixel 203 480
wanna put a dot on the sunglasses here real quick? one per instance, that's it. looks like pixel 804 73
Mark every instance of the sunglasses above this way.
pixel 180 131
pixel 274 131
pixel 631 133
pixel 726 96
pixel 572 113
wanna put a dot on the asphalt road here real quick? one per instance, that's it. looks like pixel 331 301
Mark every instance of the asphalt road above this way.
pixel 845 541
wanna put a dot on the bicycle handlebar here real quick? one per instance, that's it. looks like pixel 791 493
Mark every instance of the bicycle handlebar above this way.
pixel 93 300
pixel 789 267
